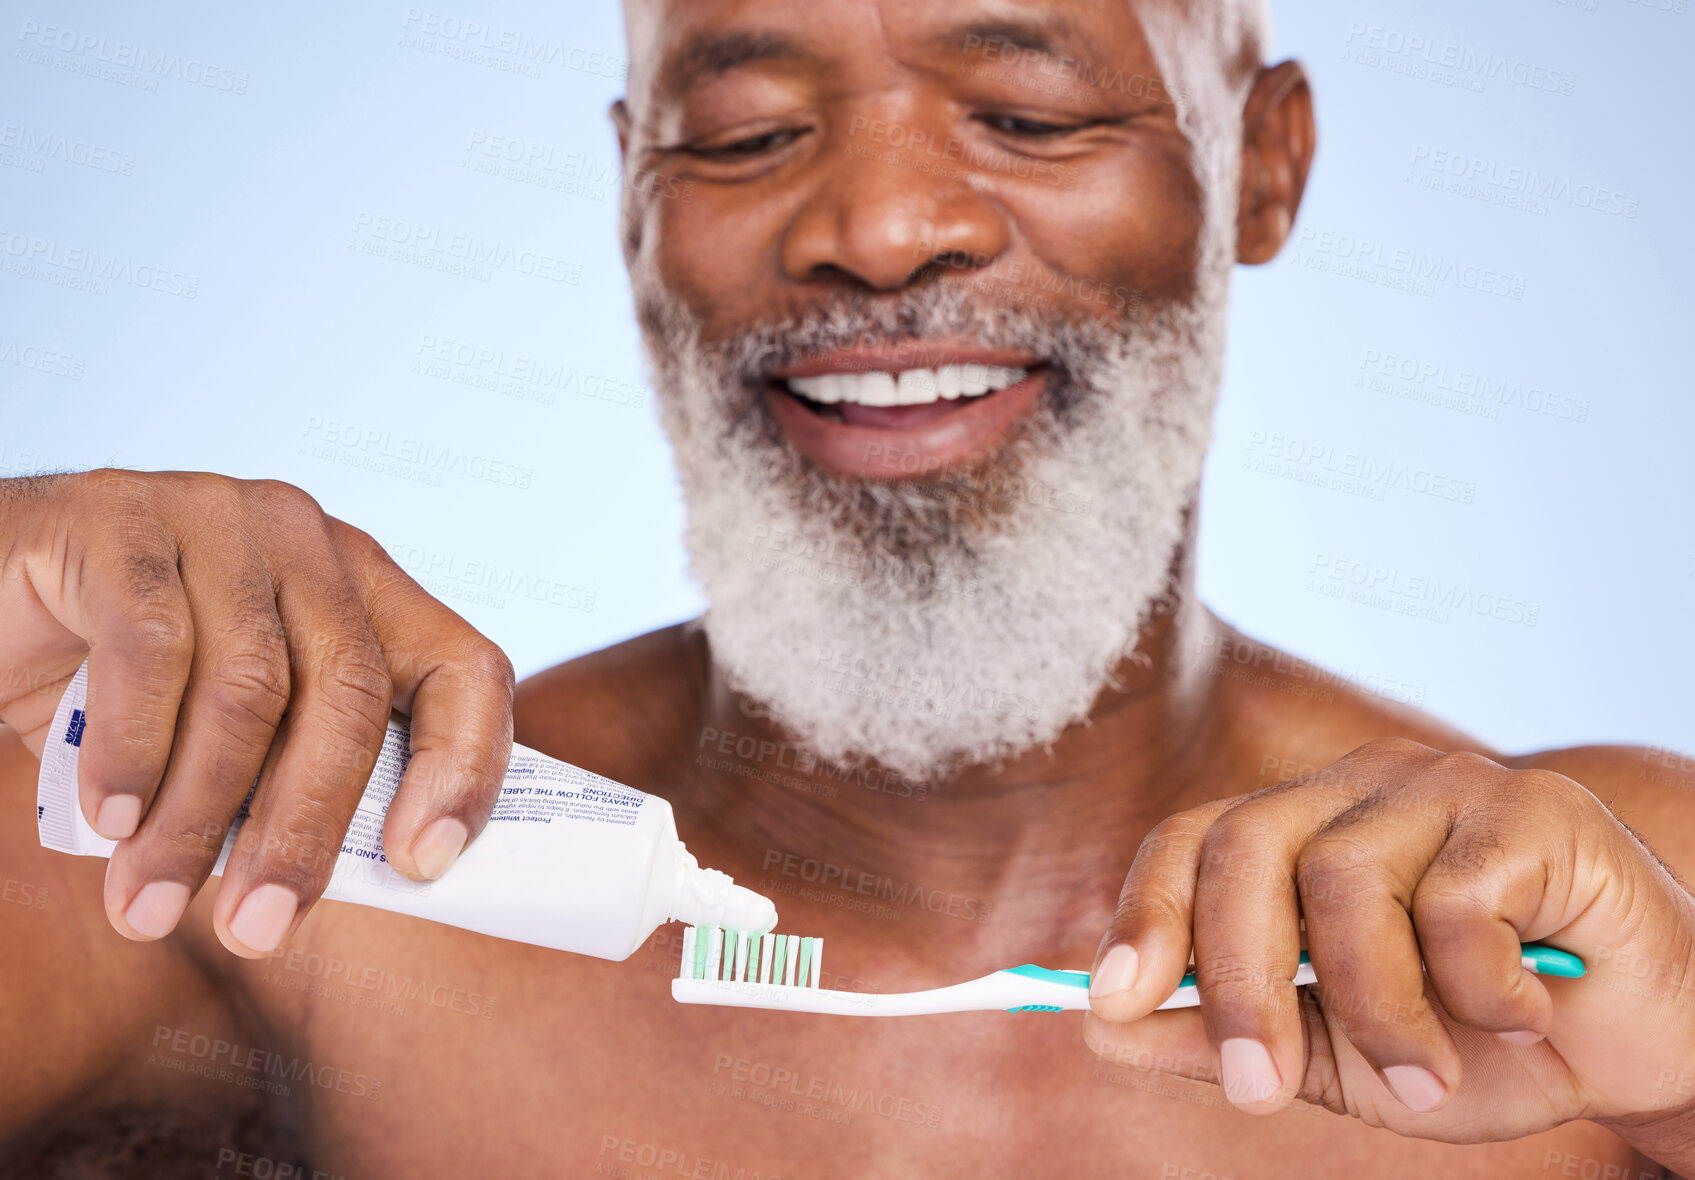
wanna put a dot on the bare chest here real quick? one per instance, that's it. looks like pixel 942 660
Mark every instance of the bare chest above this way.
pixel 474 1057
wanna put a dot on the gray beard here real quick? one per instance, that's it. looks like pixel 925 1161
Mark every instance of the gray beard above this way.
pixel 963 618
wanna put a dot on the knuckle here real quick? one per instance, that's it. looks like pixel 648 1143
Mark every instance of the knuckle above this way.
pixel 280 500
pixel 1174 831
pixel 278 494
pixel 195 843
pixel 1238 836
pixel 358 691
pixel 160 628
pixel 1240 977
pixel 305 840
pixel 1391 748
pixel 488 668
pixel 119 488
pixel 1463 766
pixel 210 487
pixel 1541 787
pixel 1447 901
pixel 251 685
pixel 1152 901
pixel 353 541
pixel 1337 869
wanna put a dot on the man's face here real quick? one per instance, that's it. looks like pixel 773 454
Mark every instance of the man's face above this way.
pixel 1029 154
pixel 933 293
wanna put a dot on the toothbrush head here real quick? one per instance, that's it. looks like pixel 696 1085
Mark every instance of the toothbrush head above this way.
pixel 743 956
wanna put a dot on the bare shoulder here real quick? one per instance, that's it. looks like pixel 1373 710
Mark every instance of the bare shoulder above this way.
pixel 1650 788
pixel 622 711
pixel 1290 717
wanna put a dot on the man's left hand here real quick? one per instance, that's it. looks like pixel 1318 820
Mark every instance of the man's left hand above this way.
pixel 1417 874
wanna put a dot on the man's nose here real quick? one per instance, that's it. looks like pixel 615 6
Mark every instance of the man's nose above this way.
pixel 881 214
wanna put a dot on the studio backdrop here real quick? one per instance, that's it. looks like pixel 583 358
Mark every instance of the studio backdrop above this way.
pixel 371 250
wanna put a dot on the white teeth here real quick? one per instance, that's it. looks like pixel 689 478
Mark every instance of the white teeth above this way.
pixel 910 387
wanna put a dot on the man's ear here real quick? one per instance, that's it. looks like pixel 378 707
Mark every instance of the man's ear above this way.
pixel 1278 140
pixel 621 121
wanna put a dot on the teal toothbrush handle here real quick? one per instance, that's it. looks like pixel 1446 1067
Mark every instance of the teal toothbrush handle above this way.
pixel 1057 991
pixel 1543 959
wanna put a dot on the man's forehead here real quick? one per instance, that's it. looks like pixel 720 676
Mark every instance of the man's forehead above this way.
pixel 683 35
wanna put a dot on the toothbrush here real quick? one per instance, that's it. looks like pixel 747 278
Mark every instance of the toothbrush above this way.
pixel 746 969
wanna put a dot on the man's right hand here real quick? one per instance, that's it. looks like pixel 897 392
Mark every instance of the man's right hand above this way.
pixel 232 629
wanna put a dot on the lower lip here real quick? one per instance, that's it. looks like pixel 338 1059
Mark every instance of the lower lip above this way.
pixel 934 443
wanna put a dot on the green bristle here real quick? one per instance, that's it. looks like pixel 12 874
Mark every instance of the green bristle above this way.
pixel 803 969
pixel 777 959
pixel 728 966
pixel 702 935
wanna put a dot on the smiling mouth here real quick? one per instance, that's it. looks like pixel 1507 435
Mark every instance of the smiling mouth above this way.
pixel 899 400
pixel 879 415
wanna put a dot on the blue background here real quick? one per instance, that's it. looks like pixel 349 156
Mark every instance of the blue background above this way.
pixel 307 350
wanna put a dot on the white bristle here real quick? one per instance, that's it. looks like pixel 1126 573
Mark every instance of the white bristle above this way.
pixel 714 952
pixel 742 944
pixel 767 950
pixel 791 960
pixel 687 967
pixel 817 960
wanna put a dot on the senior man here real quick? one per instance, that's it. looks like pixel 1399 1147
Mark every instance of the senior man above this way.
pixel 937 338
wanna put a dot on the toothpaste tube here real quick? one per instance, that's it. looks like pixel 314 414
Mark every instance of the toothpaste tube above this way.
pixel 568 859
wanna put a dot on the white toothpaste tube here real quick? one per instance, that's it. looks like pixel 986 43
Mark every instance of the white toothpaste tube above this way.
pixel 568 859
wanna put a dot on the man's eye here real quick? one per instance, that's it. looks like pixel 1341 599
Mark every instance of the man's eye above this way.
pixel 1029 128
pixel 743 149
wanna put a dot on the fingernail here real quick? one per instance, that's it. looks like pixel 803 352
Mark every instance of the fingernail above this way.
pixel 1416 1087
pixel 1523 1036
pixel 118 816
pixel 1249 1074
pixel 263 917
pixel 437 846
pixel 157 908
pixel 1117 972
